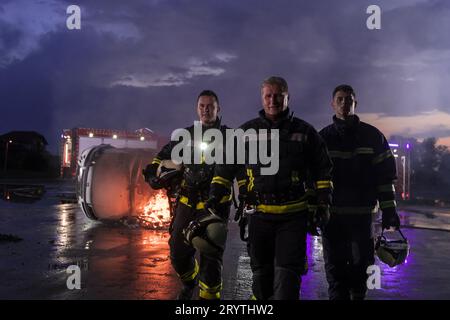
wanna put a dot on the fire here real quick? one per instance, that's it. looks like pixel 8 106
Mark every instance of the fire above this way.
pixel 156 212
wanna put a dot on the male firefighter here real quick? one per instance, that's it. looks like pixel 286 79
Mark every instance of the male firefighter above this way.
pixel 363 173
pixel 190 206
pixel 277 230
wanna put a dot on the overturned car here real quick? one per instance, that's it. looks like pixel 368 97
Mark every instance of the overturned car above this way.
pixel 110 186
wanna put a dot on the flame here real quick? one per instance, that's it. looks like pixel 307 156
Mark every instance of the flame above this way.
pixel 155 214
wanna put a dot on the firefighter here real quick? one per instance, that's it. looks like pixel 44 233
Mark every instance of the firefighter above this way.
pixel 207 273
pixel 363 173
pixel 278 227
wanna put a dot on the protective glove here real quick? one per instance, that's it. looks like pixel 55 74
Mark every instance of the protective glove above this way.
pixel 150 176
pixel 318 219
pixel 240 209
pixel 322 216
pixel 390 218
pixel 311 225
pixel 212 204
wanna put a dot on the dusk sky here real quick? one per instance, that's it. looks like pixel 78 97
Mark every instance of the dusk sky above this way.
pixel 137 64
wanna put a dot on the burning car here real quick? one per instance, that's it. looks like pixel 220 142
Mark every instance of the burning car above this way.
pixel 110 186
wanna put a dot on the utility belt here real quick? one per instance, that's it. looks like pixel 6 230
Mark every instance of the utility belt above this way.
pixel 200 205
pixel 278 198
pixel 194 198
pixel 279 203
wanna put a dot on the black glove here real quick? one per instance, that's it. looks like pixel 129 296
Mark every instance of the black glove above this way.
pixel 322 216
pixel 311 226
pixel 324 198
pixel 390 218
pixel 212 204
pixel 240 209
pixel 318 219
pixel 150 176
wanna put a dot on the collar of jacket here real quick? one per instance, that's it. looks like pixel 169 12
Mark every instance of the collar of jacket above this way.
pixel 347 126
pixel 283 116
pixel 215 125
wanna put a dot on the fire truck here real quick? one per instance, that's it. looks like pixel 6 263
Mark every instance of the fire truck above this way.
pixel 402 155
pixel 75 141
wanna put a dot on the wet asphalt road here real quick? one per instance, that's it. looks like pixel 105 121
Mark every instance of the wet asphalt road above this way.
pixel 122 262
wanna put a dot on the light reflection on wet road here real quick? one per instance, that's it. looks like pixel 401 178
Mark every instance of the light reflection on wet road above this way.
pixel 118 262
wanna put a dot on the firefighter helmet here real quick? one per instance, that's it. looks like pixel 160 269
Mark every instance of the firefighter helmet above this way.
pixel 207 234
pixel 169 174
pixel 392 252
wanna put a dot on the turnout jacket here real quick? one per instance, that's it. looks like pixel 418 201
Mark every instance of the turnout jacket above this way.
pixel 196 177
pixel 364 168
pixel 302 156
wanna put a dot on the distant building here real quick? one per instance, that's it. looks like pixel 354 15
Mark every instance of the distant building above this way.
pixel 74 141
pixel 23 150
pixel 26 140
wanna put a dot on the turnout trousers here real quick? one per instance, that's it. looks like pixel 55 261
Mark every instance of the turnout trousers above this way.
pixel 277 249
pixel 348 249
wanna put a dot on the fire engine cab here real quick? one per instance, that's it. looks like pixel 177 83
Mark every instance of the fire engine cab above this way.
pixel 75 141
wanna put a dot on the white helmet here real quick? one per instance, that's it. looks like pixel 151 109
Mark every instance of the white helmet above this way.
pixel 392 252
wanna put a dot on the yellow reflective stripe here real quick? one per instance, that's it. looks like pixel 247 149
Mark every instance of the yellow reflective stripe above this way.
pixel 253 297
pixel 349 154
pixel 209 293
pixel 225 199
pixel 364 150
pixel 242 182
pixel 386 188
pixel 324 184
pixel 284 208
pixel 156 161
pixel 190 275
pixel 222 181
pixel 202 160
pixel 354 210
pixel 388 204
pixel 295 178
pixel 251 180
pixel 201 205
pixel 209 296
pixel 381 157
pixel 204 286
pixel 184 200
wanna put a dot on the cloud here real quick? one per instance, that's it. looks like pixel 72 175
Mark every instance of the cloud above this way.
pixel 433 123
pixel 388 5
pixel 195 67
pixel 444 141
pixel 142 63
pixel 29 21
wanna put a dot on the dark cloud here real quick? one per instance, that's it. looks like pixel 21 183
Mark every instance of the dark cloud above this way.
pixel 142 64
